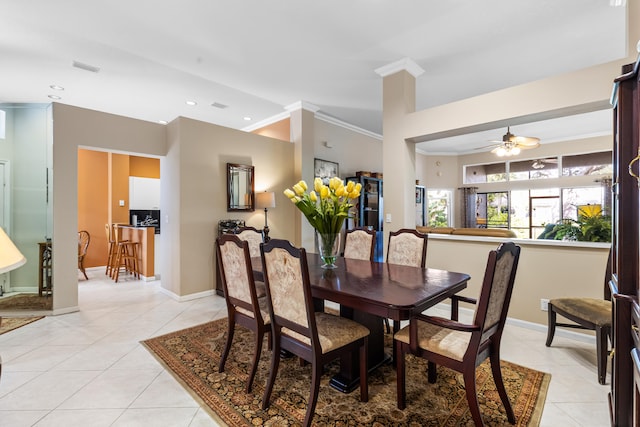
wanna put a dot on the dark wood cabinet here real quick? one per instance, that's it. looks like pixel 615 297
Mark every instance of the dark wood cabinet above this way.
pixel 368 210
pixel 625 252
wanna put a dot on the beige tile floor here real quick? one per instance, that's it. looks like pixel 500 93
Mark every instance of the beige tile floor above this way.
pixel 88 368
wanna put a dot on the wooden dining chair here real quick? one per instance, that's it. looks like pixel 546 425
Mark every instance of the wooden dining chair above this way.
pixel 586 313
pixel 316 337
pixel 462 347
pixel 407 246
pixel 360 243
pixel 244 307
pixel 83 246
pixel 253 236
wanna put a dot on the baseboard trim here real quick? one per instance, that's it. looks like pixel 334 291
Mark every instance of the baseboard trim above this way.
pixel 190 297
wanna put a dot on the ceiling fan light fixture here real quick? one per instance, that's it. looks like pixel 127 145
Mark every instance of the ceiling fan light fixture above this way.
pixel 512 145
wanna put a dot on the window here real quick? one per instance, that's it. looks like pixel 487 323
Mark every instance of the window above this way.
pixel 587 164
pixel 574 197
pixel 492 210
pixel 495 172
pixel 533 169
pixel 439 208
pixel 528 210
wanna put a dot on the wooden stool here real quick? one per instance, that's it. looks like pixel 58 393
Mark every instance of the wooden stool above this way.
pixel 125 254
pixel 127 257
pixel 111 255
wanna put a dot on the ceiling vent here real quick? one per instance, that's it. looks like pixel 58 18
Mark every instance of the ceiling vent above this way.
pixel 218 105
pixel 86 67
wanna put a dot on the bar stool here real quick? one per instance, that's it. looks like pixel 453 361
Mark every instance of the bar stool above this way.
pixel 126 256
pixel 111 255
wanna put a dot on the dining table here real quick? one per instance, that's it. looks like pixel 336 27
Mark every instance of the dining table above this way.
pixel 369 291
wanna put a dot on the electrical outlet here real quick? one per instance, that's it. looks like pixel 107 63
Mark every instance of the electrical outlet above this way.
pixel 544 304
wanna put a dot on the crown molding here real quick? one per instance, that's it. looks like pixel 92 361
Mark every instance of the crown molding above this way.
pixel 404 64
pixel 266 122
pixel 302 105
pixel 348 126
pixel 317 114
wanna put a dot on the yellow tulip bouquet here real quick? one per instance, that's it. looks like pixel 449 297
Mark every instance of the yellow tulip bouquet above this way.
pixel 326 207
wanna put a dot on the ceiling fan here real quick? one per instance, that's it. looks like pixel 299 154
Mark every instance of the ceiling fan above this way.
pixel 541 163
pixel 512 144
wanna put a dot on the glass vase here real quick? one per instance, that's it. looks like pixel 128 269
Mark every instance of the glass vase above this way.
pixel 328 248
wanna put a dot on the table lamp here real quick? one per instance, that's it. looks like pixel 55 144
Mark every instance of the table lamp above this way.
pixel 10 256
pixel 266 200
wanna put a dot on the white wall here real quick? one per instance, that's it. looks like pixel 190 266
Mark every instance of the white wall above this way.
pixel 353 151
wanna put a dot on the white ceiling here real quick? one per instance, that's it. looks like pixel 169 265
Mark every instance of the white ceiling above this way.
pixel 257 56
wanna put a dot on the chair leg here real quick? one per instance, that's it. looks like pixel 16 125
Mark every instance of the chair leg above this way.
pixel 497 379
pixel 108 268
pixel 602 351
pixel 400 376
pixel 259 335
pixel 115 272
pixel 227 346
pixel 551 324
pixel 275 361
pixel 83 270
pixel 432 372
pixel 472 398
pixel 316 374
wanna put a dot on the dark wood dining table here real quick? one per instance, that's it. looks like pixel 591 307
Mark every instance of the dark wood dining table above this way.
pixel 369 291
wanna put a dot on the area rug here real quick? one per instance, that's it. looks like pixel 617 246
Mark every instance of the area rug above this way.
pixel 192 356
pixel 26 302
pixel 10 323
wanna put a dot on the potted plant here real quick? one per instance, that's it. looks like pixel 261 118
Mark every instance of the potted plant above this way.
pixel 591 226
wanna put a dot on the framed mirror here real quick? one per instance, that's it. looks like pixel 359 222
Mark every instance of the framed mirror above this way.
pixel 240 191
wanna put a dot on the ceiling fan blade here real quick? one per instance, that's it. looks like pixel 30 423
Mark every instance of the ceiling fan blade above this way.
pixel 526 140
pixel 527 146
pixel 488 146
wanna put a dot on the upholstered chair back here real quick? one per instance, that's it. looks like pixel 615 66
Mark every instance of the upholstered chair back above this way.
pixel 253 236
pixel 407 247
pixel 359 244
pixel 235 271
pixel 495 294
pixel 289 294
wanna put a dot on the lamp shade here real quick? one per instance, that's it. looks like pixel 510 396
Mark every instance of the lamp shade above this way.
pixel 10 256
pixel 266 200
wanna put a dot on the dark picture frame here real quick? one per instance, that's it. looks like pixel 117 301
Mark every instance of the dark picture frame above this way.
pixel 325 170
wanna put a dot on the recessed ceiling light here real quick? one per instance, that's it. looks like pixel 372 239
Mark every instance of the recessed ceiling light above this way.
pixel 56 87
pixel 162 122
pixel 86 67
pixel 247 118
pixel 192 103
pixel 54 97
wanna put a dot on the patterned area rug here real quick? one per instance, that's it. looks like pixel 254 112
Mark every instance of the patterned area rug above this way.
pixel 10 323
pixel 26 302
pixel 192 356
